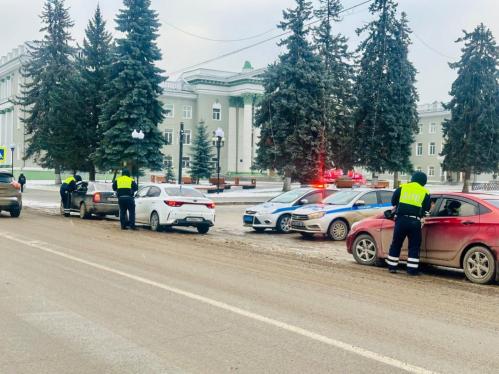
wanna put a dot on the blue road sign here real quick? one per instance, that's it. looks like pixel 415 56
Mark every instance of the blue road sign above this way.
pixel 3 155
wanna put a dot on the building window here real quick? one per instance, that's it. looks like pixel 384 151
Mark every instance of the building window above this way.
pixel 169 136
pixel 418 168
pixel 168 161
pixel 420 128
pixel 432 149
pixel 217 112
pixel 419 149
pixel 187 137
pixel 214 164
pixel 431 171
pixel 170 110
pixel 403 174
pixel 186 162
pixel 433 128
pixel 187 112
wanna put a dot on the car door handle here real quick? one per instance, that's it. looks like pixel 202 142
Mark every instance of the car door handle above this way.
pixel 468 223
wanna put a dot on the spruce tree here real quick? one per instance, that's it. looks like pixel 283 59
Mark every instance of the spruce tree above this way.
pixel 170 174
pixel 291 115
pixel 201 165
pixel 386 116
pixel 47 97
pixel 339 76
pixel 132 95
pixel 93 70
pixel 472 133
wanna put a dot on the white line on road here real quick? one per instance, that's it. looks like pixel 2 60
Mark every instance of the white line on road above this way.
pixel 221 305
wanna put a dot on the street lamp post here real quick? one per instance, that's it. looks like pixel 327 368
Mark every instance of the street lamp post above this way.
pixel 12 147
pixel 219 137
pixel 137 135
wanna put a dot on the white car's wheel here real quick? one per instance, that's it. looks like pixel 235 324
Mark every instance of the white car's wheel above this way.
pixel 284 224
pixel 479 265
pixel 154 222
pixel 338 230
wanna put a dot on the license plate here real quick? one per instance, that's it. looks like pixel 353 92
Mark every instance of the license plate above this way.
pixel 297 224
pixel 194 219
pixel 112 199
pixel 248 219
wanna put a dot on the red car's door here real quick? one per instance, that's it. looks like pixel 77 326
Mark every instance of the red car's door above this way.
pixel 454 225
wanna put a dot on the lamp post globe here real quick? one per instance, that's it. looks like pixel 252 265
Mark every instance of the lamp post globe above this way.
pixel 137 135
pixel 12 148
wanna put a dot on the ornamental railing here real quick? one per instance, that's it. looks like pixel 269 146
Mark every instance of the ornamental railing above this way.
pixel 487 186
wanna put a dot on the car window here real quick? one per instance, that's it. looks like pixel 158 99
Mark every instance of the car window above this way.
pixel 385 196
pixel 456 208
pixel 370 198
pixel 290 196
pixel 142 192
pixel 91 187
pixel 314 197
pixel 4 178
pixel 154 192
pixel 342 197
pixel 493 202
pixel 434 205
pixel 104 187
pixel 328 193
pixel 183 191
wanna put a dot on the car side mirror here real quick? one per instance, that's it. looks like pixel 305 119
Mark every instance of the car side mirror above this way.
pixel 303 202
pixel 359 203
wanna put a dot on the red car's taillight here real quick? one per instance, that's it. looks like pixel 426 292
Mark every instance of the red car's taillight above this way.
pixel 96 198
pixel 211 205
pixel 174 204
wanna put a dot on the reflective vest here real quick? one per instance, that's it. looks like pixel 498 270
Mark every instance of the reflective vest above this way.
pixel 124 182
pixel 69 180
pixel 413 194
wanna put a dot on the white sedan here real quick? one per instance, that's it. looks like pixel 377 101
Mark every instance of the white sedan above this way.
pixel 166 205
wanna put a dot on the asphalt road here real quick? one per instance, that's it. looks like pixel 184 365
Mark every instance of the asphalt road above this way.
pixel 84 297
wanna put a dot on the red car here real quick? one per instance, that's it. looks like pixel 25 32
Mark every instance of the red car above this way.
pixel 462 231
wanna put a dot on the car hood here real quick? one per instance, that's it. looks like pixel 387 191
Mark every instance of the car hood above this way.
pixel 267 207
pixel 321 208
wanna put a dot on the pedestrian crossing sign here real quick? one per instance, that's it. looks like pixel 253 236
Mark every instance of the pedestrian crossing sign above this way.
pixel 3 155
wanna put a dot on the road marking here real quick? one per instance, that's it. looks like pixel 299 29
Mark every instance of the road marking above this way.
pixel 227 307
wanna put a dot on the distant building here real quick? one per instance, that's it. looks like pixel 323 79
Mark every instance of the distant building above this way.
pixel 217 99
pixel 11 127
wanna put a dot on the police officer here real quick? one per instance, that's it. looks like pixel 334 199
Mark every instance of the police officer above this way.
pixel 67 187
pixel 412 201
pixel 125 188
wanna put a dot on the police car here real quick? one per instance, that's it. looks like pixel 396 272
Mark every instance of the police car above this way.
pixel 336 215
pixel 275 214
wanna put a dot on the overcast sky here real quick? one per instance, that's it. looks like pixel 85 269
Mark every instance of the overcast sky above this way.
pixel 436 25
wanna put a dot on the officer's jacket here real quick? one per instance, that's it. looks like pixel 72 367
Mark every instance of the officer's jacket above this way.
pixel 124 186
pixel 69 184
pixel 411 199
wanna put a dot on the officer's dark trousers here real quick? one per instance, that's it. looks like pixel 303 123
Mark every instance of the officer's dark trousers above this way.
pixel 65 199
pixel 405 227
pixel 127 205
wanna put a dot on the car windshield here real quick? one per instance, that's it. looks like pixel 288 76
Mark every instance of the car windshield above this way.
pixel 104 187
pixel 341 198
pixel 289 197
pixel 494 202
pixel 186 192
pixel 5 178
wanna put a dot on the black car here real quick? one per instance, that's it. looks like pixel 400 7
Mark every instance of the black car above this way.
pixel 96 198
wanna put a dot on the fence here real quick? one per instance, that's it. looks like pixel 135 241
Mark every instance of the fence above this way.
pixel 490 186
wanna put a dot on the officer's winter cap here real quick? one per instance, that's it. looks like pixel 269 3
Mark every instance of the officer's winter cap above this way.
pixel 125 172
pixel 78 178
pixel 419 177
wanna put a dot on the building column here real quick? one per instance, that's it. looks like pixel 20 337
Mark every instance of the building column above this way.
pixel 245 156
pixel 231 140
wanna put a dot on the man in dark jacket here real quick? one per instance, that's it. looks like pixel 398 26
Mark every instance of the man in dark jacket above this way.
pixel 412 201
pixel 67 187
pixel 125 188
pixel 22 181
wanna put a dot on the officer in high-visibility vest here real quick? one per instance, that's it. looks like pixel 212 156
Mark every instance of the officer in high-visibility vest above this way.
pixel 412 201
pixel 125 188
pixel 67 187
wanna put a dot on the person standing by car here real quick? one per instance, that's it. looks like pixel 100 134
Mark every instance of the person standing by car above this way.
pixel 22 181
pixel 67 187
pixel 412 201
pixel 125 188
